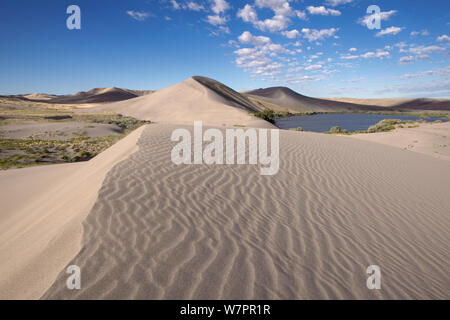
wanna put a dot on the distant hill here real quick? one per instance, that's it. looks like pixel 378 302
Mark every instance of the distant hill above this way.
pixel 285 99
pixel 97 95
pixel 401 103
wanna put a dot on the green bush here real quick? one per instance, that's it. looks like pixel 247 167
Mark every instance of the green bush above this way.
pixel 337 130
pixel 266 114
pixel 386 125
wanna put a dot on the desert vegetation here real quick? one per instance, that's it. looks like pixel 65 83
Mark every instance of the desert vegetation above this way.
pixel 17 153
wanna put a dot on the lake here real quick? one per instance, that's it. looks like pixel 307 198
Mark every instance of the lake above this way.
pixel 350 121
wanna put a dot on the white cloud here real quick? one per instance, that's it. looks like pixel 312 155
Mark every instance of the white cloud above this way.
pixel 223 29
pixel 291 34
pixel 352 49
pixel 220 6
pixel 384 16
pixel 406 59
pixel 137 15
pixel 194 6
pixel 323 11
pixel 247 38
pixel 438 86
pixel 443 72
pixel 335 3
pixel 277 48
pixel 389 31
pixel 355 80
pixel 175 4
pixel 313 67
pixel 378 54
pixel 279 22
pixel 422 33
pixel 254 60
pixel 382 54
pixel 349 57
pixel 248 14
pixel 301 14
pixel 422 49
pixel 315 35
pixel 216 20
pixel 368 55
pixel 443 38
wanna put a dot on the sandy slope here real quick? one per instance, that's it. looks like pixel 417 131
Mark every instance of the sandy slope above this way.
pixel 40 220
pixel 429 138
pixel 336 206
pixel 184 103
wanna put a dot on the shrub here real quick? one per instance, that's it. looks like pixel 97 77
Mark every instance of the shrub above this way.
pixel 385 125
pixel 337 130
pixel 266 114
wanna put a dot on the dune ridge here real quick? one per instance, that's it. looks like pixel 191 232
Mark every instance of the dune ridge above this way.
pixel 161 231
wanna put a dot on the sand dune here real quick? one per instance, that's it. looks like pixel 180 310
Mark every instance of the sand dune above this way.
pixel 94 96
pixel 429 138
pixel 285 99
pixel 186 102
pixel 39 96
pixel 336 206
pixel 401 104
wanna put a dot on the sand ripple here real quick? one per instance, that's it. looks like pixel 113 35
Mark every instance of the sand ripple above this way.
pixel 160 231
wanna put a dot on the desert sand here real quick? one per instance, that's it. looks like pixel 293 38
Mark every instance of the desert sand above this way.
pixel 161 231
pixel 140 226
pixel 429 138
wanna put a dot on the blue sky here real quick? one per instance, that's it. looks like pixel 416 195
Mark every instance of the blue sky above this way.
pixel 318 48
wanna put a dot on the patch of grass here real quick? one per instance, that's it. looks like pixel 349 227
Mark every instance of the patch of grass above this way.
pixel 17 153
pixel 26 152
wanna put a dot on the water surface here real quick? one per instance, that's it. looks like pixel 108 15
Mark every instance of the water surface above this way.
pixel 350 121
